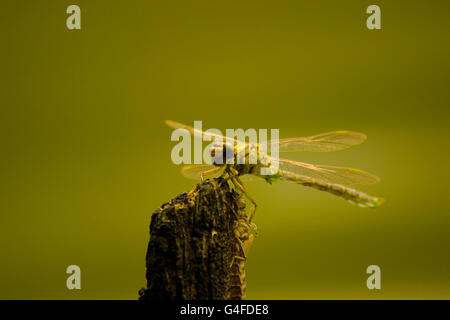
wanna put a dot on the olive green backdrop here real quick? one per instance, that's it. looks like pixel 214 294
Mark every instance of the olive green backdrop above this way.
pixel 85 154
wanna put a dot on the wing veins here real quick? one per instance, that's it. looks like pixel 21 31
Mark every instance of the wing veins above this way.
pixel 325 142
pixel 329 174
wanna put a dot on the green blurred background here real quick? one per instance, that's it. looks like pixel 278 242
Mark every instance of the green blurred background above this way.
pixel 86 155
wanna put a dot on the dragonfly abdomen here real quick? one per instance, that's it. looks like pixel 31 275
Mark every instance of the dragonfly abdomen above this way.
pixel 354 196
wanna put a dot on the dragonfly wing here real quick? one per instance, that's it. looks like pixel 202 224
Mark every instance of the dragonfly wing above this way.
pixel 250 177
pixel 329 174
pixel 195 171
pixel 212 136
pixel 324 142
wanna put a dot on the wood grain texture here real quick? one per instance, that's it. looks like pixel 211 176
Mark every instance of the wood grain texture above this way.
pixel 192 244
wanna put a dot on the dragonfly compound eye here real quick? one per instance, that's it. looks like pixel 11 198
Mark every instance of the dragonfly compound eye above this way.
pixel 220 154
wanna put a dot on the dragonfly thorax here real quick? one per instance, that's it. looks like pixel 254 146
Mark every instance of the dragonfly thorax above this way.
pixel 221 154
pixel 244 158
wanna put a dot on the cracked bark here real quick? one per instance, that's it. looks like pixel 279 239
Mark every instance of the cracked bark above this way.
pixel 192 244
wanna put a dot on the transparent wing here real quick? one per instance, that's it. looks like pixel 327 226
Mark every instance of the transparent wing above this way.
pixel 212 136
pixel 194 171
pixel 338 175
pixel 250 177
pixel 324 142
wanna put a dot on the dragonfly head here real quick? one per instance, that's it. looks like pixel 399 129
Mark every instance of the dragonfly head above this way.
pixel 221 153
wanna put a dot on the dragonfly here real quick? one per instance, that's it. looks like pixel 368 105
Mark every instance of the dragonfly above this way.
pixel 331 179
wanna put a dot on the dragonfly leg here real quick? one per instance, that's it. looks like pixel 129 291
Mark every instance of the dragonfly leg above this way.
pixel 238 184
pixel 236 215
pixel 231 174
pixel 208 172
